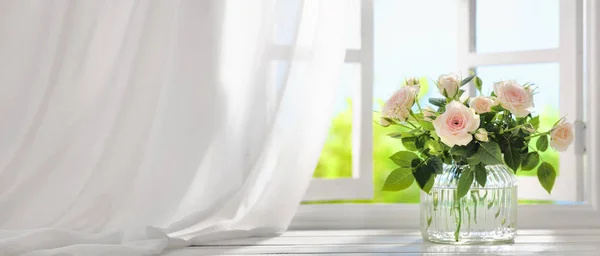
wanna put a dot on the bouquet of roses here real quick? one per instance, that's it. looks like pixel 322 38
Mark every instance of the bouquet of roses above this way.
pixel 473 132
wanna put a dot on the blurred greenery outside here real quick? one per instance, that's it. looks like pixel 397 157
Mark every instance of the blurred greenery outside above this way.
pixel 336 157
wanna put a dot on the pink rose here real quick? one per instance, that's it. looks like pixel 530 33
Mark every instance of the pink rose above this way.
pixel 514 97
pixel 481 104
pixel 561 136
pixel 455 125
pixel 397 106
pixel 449 84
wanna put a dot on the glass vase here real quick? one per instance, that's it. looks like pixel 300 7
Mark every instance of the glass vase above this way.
pixel 485 215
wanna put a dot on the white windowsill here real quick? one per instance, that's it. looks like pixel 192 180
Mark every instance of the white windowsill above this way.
pixel 404 242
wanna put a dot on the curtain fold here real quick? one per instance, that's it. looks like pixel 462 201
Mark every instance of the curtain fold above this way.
pixel 132 127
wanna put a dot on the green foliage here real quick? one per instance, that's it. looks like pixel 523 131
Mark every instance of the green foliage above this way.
pixel 467 80
pixel 531 161
pixel 542 143
pixel 478 84
pixel 423 175
pixel 489 153
pixel 404 158
pixel 336 157
pixel 480 174
pixel 438 102
pixel 399 179
pixel 512 147
pixel 435 165
pixel 546 175
pixel 465 181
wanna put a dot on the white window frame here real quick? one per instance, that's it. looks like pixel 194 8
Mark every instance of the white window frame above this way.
pixel 360 185
pixel 568 186
pixel 580 215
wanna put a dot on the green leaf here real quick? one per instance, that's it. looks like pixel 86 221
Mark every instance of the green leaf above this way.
pixel 489 153
pixel 409 143
pixel 437 102
pixel 480 174
pixel 464 182
pixel 395 135
pixel 466 151
pixel 415 162
pixel 498 108
pixel 427 187
pixel 460 93
pixel 546 175
pixel 403 158
pixel 531 161
pixel 478 83
pixel 435 164
pixel 511 149
pixel 422 175
pixel 399 179
pixel 467 80
pixel 487 117
pixel 426 125
pixel 473 160
pixel 542 143
pixel 535 122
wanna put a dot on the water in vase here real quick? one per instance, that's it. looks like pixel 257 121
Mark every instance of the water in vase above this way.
pixel 484 216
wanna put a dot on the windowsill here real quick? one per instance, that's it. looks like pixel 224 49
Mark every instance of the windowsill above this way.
pixel 399 241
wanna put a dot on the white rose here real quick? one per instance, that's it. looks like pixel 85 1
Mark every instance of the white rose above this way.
pixel 455 125
pixel 397 106
pixel 561 136
pixel 448 83
pixel 482 135
pixel 428 114
pixel 514 97
pixel 481 104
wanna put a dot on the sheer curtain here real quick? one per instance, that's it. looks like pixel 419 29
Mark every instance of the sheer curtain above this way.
pixel 132 127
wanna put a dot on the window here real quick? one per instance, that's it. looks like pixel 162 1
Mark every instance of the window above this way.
pixel 540 41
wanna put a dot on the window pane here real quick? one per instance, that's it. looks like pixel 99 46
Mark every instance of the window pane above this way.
pixel 287 13
pixel 336 157
pixel 407 43
pixel 516 25
pixel 546 79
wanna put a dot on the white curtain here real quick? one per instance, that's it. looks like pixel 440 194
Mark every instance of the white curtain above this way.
pixel 132 127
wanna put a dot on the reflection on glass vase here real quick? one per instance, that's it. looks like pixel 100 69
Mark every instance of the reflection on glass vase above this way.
pixel 485 215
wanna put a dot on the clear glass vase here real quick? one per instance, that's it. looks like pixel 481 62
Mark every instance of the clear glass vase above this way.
pixel 486 215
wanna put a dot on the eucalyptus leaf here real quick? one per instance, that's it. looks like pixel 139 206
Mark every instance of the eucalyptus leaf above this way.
pixel 437 102
pixel 478 83
pixel 467 80
pixel 480 174
pixel 489 153
pixel 464 182
pixel 395 135
pixel 403 158
pixel 546 175
pixel 531 161
pixel 399 179
pixel 542 143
